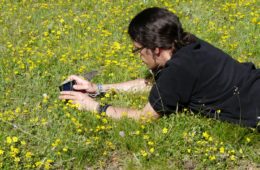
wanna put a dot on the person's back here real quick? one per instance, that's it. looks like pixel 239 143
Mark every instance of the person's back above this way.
pixel 217 86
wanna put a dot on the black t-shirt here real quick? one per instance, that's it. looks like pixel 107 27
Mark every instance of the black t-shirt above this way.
pixel 207 80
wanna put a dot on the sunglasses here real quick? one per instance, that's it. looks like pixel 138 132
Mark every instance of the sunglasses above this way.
pixel 137 50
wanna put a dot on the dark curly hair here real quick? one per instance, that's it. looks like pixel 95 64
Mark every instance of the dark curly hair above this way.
pixel 159 28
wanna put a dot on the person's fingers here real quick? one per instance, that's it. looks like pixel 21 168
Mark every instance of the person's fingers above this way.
pixel 68 92
pixel 80 87
pixel 74 93
pixel 78 79
pixel 73 77
pixel 89 88
pixel 67 97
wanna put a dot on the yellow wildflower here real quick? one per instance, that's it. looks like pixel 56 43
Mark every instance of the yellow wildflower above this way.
pixel 150 143
pixel 152 150
pixel 104 120
pixel 56 143
pixel 48 164
pixel 212 158
pixel 14 139
pixel 222 149
pixel 65 149
pixel 28 154
pixel 88 142
pixel 144 153
pixel 62 20
pixel 17 159
pixel 205 135
pixel 185 134
pixel 1 152
pixel 23 142
pixel 9 140
pixel 137 132
pixel 254 20
pixel 165 130
pixel 232 157
pixel 38 164
pixel 146 137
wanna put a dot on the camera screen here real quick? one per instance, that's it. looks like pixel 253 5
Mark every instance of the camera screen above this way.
pixel 67 86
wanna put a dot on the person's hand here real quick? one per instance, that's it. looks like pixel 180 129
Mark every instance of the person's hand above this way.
pixel 83 101
pixel 83 85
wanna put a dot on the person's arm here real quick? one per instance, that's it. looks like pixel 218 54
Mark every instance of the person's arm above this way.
pixel 132 86
pixel 146 112
pixel 85 102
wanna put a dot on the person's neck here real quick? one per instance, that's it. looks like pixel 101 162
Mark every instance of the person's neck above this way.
pixel 166 55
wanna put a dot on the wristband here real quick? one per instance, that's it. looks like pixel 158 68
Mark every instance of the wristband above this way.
pixel 98 92
pixel 100 89
pixel 103 108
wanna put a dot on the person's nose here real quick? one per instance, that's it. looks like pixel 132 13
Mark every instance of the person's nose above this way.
pixel 141 52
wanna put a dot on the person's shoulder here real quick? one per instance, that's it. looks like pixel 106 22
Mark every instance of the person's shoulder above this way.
pixel 189 48
pixel 185 55
pixel 197 45
pixel 201 49
pixel 206 45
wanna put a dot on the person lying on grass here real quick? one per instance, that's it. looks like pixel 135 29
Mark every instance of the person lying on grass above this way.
pixel 188 73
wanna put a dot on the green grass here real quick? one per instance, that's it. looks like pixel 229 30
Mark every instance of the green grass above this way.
pixel 42 42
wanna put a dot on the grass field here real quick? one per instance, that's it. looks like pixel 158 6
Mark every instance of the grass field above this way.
pixel 43 42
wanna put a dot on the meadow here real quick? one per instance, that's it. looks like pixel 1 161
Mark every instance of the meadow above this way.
pixel 42 42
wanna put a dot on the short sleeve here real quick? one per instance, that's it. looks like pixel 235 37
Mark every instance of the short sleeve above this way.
pixel 172 89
